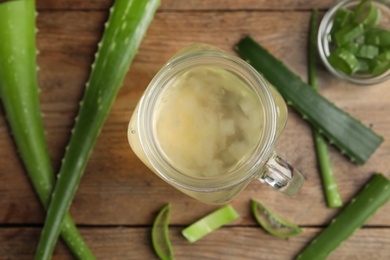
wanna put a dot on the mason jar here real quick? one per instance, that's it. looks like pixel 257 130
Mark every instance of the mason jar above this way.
pixel 207 125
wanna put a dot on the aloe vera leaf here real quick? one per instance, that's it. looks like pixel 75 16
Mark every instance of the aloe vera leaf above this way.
pixel 126 26
pixel 328 180
pixel 374 195
pixel 20 98
pixel 272 223
pixel 353 139
pixel 160 237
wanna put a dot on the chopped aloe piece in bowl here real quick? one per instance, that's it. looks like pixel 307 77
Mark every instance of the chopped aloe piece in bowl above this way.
pixel 360 27
pixel 344 60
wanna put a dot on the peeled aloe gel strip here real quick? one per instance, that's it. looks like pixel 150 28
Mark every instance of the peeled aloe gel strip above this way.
pixel 19 95
pixel 126 26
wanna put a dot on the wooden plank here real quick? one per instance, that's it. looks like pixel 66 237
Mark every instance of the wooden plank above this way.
pixel 189 5
pixel 117 188
pixel 227 243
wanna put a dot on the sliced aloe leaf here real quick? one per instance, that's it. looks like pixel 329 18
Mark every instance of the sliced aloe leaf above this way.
pixel 348 33
pixel 364 66
pixel 380 64
pixel 160 237
pixel 377 37
pixel 365 13
pixel 352 47
pixel 373 196
pixel 209 223
pixel 272 223
pixel 349 135
pixel 341 18
pixel 344 60
pixel 367 51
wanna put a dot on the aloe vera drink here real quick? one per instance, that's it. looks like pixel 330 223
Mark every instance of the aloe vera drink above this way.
pixel 206 123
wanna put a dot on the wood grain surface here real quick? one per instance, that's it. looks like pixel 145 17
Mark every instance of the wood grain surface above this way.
pixel 119 197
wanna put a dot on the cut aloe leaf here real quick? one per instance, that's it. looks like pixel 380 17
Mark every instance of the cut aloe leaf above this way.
pixel 160 237
pixel 364 66
pixel 354 139
pixel 373 196
pixel 367 51
pixel 352 47
pixel 341 18
pixel 209 223
pixel 272 223
pixel 348 33
pixel 125 28
pixel 344 60
pixel 378 17
pixel 377 37
pixel 20 98
pixel 365 13
pixel 380 64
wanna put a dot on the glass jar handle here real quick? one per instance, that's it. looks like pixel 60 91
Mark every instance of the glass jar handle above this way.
pixel 281 175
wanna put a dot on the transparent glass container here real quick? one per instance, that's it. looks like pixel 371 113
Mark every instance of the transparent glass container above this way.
pixel 147 136
pixel 324 42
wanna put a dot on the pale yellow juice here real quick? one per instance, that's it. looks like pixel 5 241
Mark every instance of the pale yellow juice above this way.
pixel 207 123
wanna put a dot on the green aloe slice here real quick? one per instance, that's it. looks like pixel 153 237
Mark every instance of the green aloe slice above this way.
pixel 209 223
pixel 341 18
pixel 160 237
pixel 272 223
pixel 354 139
pixel 125 28
pixel 366 13
pixel 364 66
pixel 344 60
pixel 380 64
pixel 373 196
pixel 377 37
pixel 378 16
pixel 348 33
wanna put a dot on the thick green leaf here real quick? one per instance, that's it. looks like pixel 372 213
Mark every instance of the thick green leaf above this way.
pixel 124 31
pixel 374 195
pixel 354 139
pixel 19 93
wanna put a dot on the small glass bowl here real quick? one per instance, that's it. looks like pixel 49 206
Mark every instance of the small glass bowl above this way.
pixel 323 42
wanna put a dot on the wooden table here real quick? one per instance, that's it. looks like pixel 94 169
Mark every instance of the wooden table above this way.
pixel 119 197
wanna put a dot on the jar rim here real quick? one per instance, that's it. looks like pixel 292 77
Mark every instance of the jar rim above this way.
pixel 156 88
pixel 323 42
